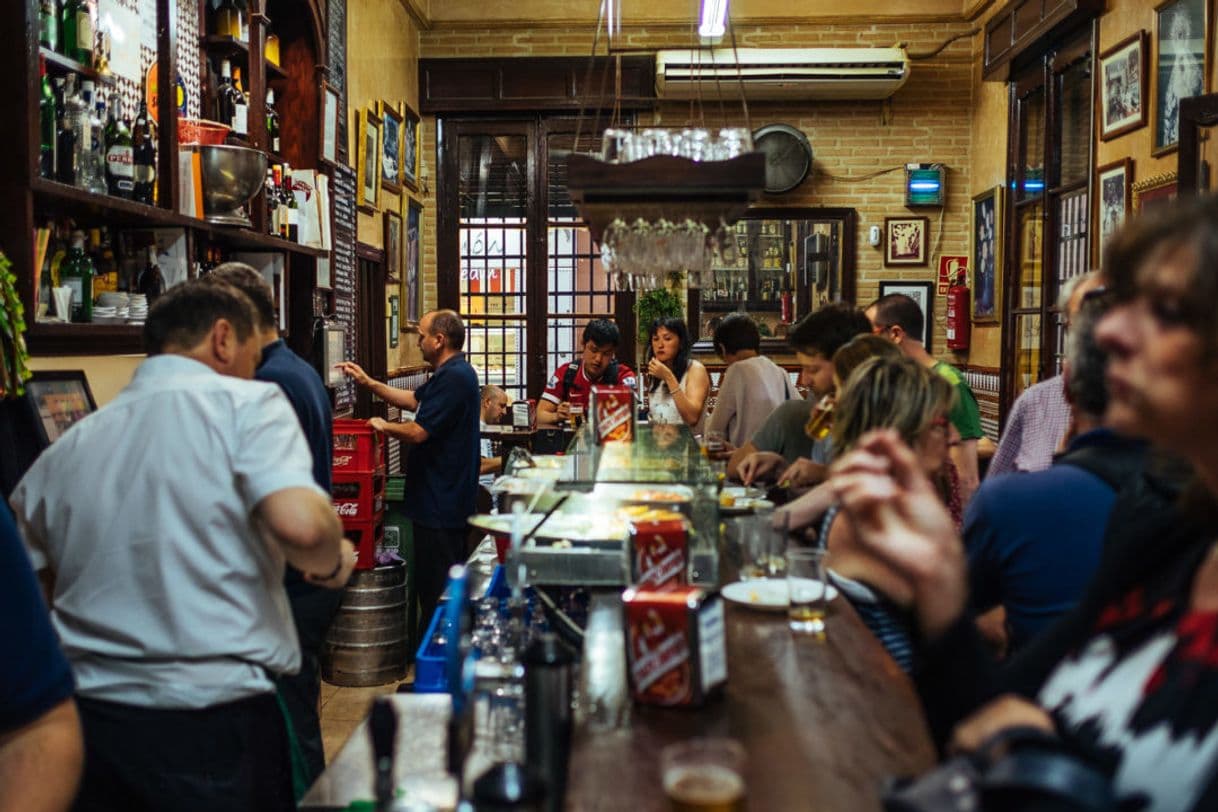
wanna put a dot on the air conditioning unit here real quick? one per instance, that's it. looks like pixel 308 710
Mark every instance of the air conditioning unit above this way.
pixel 781 73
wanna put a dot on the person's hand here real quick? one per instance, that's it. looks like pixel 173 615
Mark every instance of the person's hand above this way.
pixel 723 454
pixel 759 465
pixel 803 473
pixel 356 372
pixel 340 578
pixel 899 518
pixel 1004 712
pixel 378 424
pixel 657 369
pixel 563 412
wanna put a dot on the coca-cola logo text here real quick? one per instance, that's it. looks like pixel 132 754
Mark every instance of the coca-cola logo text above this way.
pixel 347 509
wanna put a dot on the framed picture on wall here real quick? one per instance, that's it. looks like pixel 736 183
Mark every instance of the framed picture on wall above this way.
pixel 412 280
pixel 905 240
pixel 1181 65
pixel 1154 191
pixel 410 147
pixel 368 161
pixel 1121 87
pixel 391 147
pixel 1113 199
pixel 393 246
pixel 394 320
pixel 921 292
pixel 985 241
pixel 330 111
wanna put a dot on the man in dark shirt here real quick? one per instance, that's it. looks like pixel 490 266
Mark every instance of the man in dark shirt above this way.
pixel 313 608
pixel 442 470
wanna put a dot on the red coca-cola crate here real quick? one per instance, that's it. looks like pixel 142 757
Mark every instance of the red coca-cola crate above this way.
pixel 367 537
pixel 356 446
pixel 358 496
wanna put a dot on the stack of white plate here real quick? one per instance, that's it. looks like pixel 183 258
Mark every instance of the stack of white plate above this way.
pixel 111 306
pixel 138 308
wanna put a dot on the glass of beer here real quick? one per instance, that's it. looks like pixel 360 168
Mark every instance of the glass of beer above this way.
pixel 820 423
pixel 704 775
pixel 577 415
pixel 806 580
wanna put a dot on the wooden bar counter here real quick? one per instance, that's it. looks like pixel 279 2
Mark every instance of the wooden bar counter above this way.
pixel 822 723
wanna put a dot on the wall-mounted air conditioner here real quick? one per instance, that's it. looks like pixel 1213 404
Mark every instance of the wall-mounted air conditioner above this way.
pixel 782 73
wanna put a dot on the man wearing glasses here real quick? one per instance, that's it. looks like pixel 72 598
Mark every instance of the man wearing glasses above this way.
pixel 442 469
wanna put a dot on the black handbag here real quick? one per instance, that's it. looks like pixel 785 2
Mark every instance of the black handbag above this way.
pixel 1018 770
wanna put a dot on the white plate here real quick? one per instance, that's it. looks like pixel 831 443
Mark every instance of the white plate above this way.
pixel 767 594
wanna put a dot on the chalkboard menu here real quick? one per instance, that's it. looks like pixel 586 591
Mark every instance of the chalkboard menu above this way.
pixel 343 267
pixel 336 46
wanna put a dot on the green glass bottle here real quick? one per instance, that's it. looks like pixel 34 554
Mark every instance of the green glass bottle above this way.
pixel 76 31
pixel 48 24
pixel 48 118
pixel 77 273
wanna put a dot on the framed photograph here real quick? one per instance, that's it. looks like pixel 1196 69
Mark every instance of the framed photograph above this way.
pixel 330 111
pixel 1181 65
pixel 985 251
pixel 393 246
pixel 410 147
pixel 905 240
pixel 394 320
pixel 1121 87
pixel 1113 199
pixel 1154 191
pixel 921 292
pixel 391 147
pixel 412 280
pixel 57 401
pixel 368 161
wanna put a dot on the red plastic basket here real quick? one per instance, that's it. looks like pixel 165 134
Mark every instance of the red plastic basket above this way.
pixel 366 536
pixel 358 496
pixel 201 131
pixel 356 446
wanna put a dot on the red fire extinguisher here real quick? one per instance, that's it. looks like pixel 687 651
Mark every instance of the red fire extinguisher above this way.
pixel 957 315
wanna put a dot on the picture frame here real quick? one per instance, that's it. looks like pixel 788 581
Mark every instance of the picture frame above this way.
pixel 394 320
pixel 905 241
pixel 56 401
pixel 1181 65
pixel 331 109
pixel 921 292
pixel 1120 87
pixel 368 171
pixel 391 147
pixel 412 279
pixel 1154 191
pixel 1113 199
pixel 986 254
pixel 411 158
pixel 393 246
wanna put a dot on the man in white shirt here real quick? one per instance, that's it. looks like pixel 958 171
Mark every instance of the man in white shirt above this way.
pixel 752 387
pixel 494 403
pixel 164 520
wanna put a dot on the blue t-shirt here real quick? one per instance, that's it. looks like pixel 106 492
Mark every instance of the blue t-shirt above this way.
pixel 442 473
pixel 309 399
pixel 36 677
pixel 1034 540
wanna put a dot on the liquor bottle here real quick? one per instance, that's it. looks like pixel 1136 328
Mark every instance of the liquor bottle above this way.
pixel 281 204
pixel 143 155
pixel 120 162
pixel 65 136
pixel 226 20
pixel 77 31
pixel 270 196
pixel 224 97
pixel 48 24
pixel 151 282
pixel 243 11
pixel 272 122
pixel 47 117
pixel 74 131
pixel 241 108
pixel 77 273
pixel 293 230
pixel 93 163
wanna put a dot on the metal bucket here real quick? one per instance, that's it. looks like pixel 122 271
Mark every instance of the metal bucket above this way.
pixel 367 643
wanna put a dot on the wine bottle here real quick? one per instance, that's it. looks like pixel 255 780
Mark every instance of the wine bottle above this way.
pixel 293 231
pixel 77 31
pixel 47 118
pixel 48 24
pixel 151 282
pixel 77 273
pixel 143 155
pixel 272 122
pixel 224 96
pixel 241 108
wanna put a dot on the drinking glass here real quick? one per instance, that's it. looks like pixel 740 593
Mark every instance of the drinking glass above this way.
pixel 613 144
pixel 763 547
pixel 806 590
pixel 704 774
pixel 715 441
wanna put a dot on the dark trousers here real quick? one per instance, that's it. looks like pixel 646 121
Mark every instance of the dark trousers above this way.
pixel 231 757
pixel 436 549
pixel 313 610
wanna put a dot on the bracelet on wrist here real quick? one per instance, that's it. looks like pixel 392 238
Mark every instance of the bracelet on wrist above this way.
pixel 338 567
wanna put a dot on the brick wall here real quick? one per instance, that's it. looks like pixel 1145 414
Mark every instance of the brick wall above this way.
pixel 927 120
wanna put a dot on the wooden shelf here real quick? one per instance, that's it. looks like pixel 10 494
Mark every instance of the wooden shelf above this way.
pixel 85 339
pixel 58 63
pixel 274 72
pixel 751 305
pixel 234 48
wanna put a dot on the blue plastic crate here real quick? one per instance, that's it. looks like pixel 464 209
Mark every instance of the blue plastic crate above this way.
pixel 430 674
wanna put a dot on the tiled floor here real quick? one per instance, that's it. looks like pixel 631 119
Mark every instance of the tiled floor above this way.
pixel 342 709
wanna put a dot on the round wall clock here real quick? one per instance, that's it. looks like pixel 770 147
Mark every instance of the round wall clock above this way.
pixel 788 156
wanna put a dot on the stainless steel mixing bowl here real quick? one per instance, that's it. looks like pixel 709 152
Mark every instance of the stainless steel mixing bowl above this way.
pixel 231 177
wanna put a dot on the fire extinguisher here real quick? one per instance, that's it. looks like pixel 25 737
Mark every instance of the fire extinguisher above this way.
pixel 957 315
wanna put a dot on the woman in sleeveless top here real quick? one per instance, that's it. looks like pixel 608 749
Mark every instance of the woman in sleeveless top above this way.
pixel 678 384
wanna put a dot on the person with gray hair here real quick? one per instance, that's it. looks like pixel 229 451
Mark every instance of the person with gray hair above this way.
pixel 1034 540
pixel 1039 421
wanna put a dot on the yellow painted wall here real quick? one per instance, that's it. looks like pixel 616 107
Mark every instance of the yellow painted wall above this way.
pixel 107 374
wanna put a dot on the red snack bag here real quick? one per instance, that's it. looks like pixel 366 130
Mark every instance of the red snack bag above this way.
pixel 675 645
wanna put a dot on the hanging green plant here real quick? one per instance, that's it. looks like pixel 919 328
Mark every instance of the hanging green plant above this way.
pixel 661 303
pixel 14 358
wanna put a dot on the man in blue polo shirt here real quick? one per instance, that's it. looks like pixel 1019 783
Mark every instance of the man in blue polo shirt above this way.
pixel 442 470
